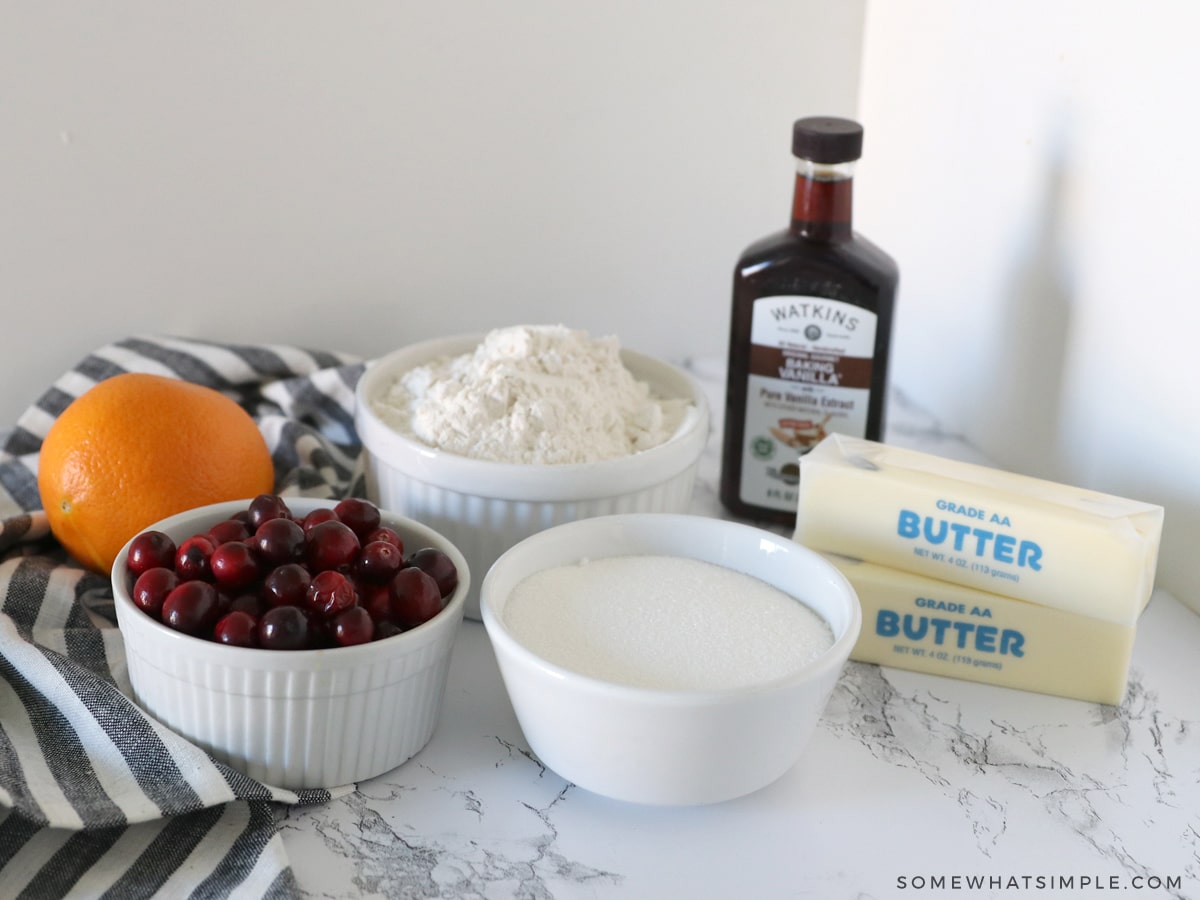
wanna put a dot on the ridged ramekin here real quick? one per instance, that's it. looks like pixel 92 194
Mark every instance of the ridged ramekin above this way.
pixel 486 507
pixel 301 718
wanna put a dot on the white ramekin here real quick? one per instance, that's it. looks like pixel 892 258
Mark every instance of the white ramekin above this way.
pixel 485 507
pixel 670 747
pixel 294 719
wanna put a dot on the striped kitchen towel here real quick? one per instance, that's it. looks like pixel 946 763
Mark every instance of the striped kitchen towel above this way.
pixel 97 799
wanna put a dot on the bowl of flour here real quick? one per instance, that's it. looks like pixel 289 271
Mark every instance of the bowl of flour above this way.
pixel 489 438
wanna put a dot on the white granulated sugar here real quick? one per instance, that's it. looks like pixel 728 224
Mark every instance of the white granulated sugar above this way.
pixel 532 394
pixel 664 622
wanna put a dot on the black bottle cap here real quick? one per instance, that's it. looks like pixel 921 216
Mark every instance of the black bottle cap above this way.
pixel 826 139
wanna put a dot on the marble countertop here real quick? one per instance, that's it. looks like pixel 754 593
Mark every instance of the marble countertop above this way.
pixel 914 785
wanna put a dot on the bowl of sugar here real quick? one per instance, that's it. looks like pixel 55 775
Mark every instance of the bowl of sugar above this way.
pixel 668 659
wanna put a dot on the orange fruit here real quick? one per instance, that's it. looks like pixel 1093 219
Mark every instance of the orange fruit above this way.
pixel 136 448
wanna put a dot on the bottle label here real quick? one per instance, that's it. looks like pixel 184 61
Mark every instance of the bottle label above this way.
pixel 809 376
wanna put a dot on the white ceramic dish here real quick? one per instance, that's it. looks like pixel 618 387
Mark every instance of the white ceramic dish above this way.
pixel 294 719
pixel 670 747
pixel 485 507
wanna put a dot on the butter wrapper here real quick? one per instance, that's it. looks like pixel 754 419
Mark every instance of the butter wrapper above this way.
pixel 1066 548
pixel 919 623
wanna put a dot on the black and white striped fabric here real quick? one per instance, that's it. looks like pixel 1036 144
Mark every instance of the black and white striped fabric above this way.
pixel 96 798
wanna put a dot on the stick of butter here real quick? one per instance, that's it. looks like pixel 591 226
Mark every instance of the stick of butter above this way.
pixel 919 623
pixel 1068 548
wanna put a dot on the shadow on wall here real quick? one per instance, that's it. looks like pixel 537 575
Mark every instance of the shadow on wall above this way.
pixel 1181 533
pixel 1030 348
pixel 1030 361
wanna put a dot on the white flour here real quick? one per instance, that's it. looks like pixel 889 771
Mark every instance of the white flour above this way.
pixel 532 394
pixel 664 622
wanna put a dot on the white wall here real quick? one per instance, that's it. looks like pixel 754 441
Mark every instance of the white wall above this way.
pixel 358 175
pixel 1032 168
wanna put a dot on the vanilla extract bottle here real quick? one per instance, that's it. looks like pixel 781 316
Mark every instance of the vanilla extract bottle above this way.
pixel 810 331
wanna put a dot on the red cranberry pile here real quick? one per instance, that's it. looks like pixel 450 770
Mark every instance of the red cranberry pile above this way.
pixel 265 578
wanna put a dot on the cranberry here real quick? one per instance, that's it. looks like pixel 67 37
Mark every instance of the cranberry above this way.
pixel 320 630
pixel 383 533
pixel 249 602
pixel 331 593
pixel 234 565
pixel 330 545
pixel 415 598
pixel 361 515
pixel 151 589
pixel 237 629
pixel 353 626
pixel 229 530
pixel 191 608
pixel 283 628
pixel 316 517
pixel 286 585
pixel 265 507
pixel 192 560
pixel 438 566
pixel 386 629
pixel 379 562
pixel 376 599
pixel 279 541
pixel 150 550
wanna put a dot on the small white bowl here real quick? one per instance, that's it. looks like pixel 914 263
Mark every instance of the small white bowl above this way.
pixel 670 747
pixel 294 718
pixel 485 507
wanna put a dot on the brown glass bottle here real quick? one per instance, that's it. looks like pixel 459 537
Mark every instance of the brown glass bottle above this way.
pixel 810 333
